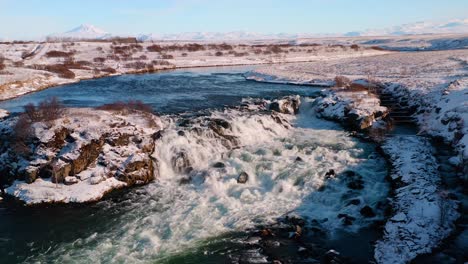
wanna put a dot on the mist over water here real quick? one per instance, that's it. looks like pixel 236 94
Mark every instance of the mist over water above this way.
pixel 174 215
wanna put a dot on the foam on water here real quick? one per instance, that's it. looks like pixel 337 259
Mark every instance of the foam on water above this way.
pixel 167 217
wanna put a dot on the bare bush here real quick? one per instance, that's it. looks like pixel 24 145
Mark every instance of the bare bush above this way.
pixel 154 48
pixel 127 107
pixel 62 70
pixel 342 81
pixel 167 56
pixel 2 64
pixel 58 54
pixel 377 48
pixel 50 109
pixel 22 132
pixel 109 70
pixel 99 59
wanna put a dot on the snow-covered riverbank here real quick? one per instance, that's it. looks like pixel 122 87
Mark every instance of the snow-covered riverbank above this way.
pixel 35 66
pixel 423 215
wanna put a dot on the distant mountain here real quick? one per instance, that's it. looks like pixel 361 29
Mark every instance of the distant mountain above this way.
pixel 423 27
pixel 83 32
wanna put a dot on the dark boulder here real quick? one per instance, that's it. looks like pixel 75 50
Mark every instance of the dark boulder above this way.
pixel 219 165
pixel 367 211
pixel 243 177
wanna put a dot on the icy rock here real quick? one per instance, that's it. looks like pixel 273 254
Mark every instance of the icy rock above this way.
pixel 69 180
pixel 286 105
pixel 243 177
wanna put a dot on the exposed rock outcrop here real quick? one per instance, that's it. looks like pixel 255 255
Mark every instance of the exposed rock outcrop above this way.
pixel 86 149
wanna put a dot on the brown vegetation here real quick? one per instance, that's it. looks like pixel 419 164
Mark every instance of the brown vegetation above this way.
pixel 342 81
pixel 58 54
pixel 127 107
pixel 2 63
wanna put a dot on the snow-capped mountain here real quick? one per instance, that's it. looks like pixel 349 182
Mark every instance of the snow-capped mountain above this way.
pixel 423 27
pixel 84 31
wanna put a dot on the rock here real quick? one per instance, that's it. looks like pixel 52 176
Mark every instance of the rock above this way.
pixel 347 220
pixel 157 135
pixel 95 179
pixel 219 165
pixel 243 177
pixel 332 257
pixel 69 180
pixel 354 202
pixel 185 180
pixel 330 173
pixel 137 171
pixel 367 211
pixel 31 173
pixel 356 184
pixel 286 105
pixel 180 162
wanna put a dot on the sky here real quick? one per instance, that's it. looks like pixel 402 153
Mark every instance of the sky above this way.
pixel 28 19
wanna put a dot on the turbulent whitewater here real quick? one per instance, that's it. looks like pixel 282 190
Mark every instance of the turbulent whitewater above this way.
pixel 197 196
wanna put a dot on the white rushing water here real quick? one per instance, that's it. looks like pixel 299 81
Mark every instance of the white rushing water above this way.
pixel 169 217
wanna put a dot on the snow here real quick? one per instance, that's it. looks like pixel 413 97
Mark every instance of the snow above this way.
pixel 422 27
pixel 25 79
pixel 45 191
pixel 84 31
pixel 3 113
pixel 86 126
pixel 423 215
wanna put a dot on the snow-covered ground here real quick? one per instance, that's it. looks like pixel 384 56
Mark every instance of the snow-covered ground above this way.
pixel 26 63
pixel 423 215
pixel 90 152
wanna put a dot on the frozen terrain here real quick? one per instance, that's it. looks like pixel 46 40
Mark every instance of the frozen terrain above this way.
pixel 423 215
pixel 35 66
pixel 433 83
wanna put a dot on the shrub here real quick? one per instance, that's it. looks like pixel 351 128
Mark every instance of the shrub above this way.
pixel 143 57
pixel 342 81
pixel 50 109
pixel 184 54
pixel 130 106
pixel 61 70
pixel 109 70
pixel 377 48
pixel 355 47
pixel 99 59
pixel 194 47
pixel 154 48
pixel 218 53
pixel 18 64
pixel 160 62
pixel 47 110
pixel 2 63
pixel 167 56
pixel 58 54
pixel 22 132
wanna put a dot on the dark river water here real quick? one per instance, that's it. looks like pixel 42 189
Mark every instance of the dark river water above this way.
pixel 207 222
pixel 167 92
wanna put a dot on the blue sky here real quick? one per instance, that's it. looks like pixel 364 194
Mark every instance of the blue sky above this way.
pixel 23 19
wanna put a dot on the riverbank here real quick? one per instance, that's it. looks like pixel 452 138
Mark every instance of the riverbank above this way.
pixel 33 67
